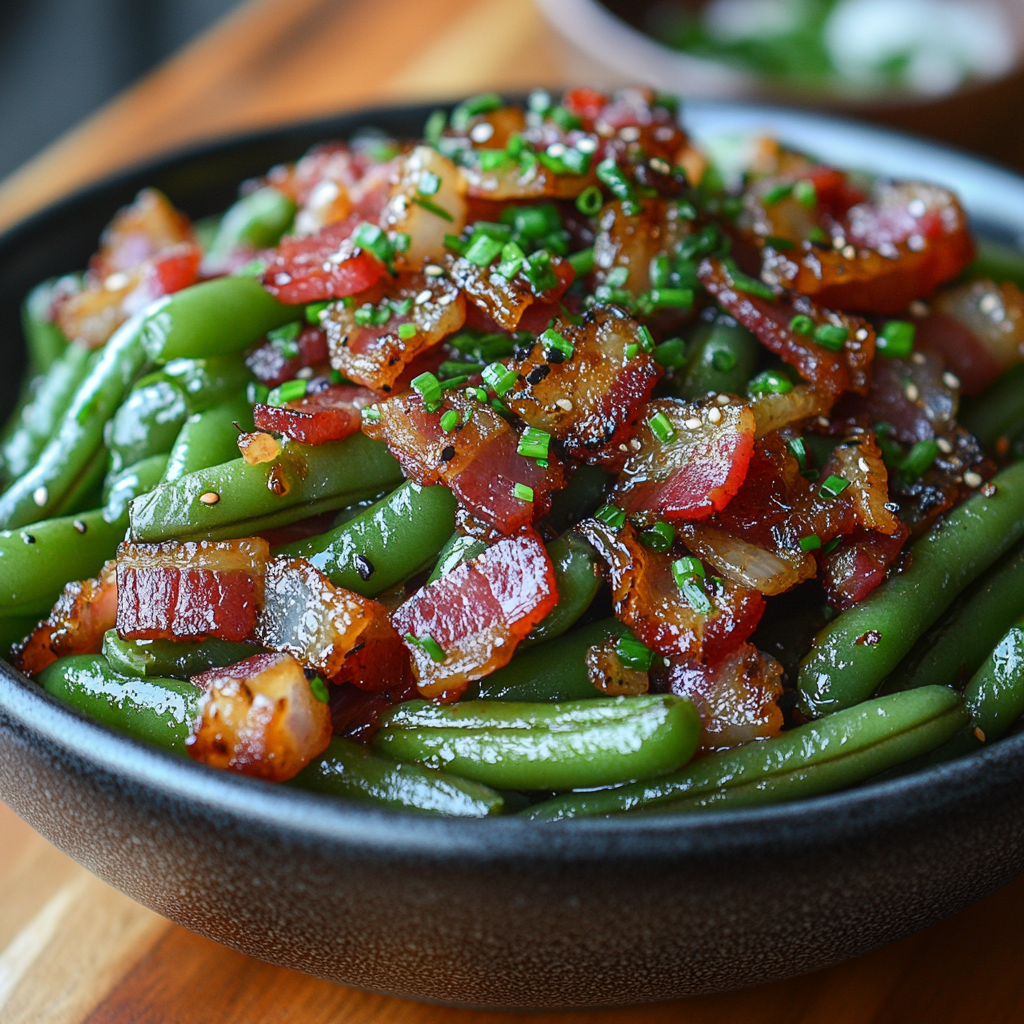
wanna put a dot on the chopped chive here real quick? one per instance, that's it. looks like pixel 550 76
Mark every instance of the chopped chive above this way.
pixel 798 450
pixel 671 354
pixel 434 128
pixel 431 207
pixel 401 240
pixel 256 392
pixel 777 194
pixel 287 333
pixel 804 192
pixel 831 546
pixel 831 336
pixel 491 159
pixel 363 316
pixel 632 349
pixel 455 244
pixel 478 393
pixel 534 443
pixel 373 239
pixel 539 272
pixel 634 654
pixel 687 568
pixel 646 340
pixel 314 312
pixel 539 101
pixel 780 244
pixel 336 377
pixel 499 378
pixel 611 516
pixel 582 262
pixel 896 339
pixel 483 250
pixel 919 459
pixel 512 257
pixel 406 331
pixel 319 688
pixel 617 277
pixel 484 103
pixel 660 272
pixel 590 201
pixel 428 184
pixel 370 414
pixel 671 298
pixel 769 382
pixel 660 536
pixel 289 391
pixel 818 236
pixel 522 492
pixel 833 486
pixel 557 348
pixel 427 644
pixel 429 389
pixel 564 118
pixel 449 420
pixel 611 176
pixel 810 543
pixel 750 285
pixel 802 324
pixel 661 427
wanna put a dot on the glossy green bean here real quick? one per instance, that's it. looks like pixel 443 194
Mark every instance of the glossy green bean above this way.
pixel 158 711
pixel 214 318
pixel 994 697
pixel 147 423
pixel 36 561
pixel 577 580
pixel 579 498
pixel 460 548
pixel 389 542
pixel 553 671
pixel 347 769
pixel 999 411
pixel 46 341
pixel 860 647
pixel 126 486
pixel 819 757
pixel 256 221
pixel 997 261
pixel 241 500
pixel 73 449
pixel 205 382
pixel 524 746
pixel 962 638
pixel 723 357
pixel 172 658
pixel 41 414
pixel 208 438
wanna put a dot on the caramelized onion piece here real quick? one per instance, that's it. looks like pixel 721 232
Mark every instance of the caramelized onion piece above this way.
pixel 190 590
pixel 259 718
pixel 330 414
pixel 691 462
pixel 774 412
pixel 82 614
pixel 590 402
pixel 467 624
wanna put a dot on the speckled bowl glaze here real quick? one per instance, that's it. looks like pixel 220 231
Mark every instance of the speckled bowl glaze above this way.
pixel 504 913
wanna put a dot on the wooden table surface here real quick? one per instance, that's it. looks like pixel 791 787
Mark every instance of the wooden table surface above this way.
pixel 72 949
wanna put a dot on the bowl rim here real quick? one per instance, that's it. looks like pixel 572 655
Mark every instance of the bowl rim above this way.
pixel 59 732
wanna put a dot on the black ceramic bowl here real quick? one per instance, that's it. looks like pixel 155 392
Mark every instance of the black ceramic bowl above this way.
pixel 504 913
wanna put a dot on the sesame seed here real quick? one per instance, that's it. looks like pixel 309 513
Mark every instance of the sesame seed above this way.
pixel 635 445
pixel 989 303
pixel 424 296
pixel 849 252
pixel 659 165
pixel 209 498
pixel 564 404
pixel 918 358
pixel 556 149
pixel 623 448
pixel 630 133
pixel 915 243
pixel 973 479
pixel 587 145
pixel 916 208
pixel 499 641
pixel 912 393
pixel 918 308
pixel 40 496
pixel 692 423
pixel 862 465
pixel 979 734
pixel 823 421
pixel 116 281
pixel 305 373
pixel 433 270
pixel 722 399
pixel 80 526
pixel 481 132
pixel 944 446
pixel 951 380
pixel 862 334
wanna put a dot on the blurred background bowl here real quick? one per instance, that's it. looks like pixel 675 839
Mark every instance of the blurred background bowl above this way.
pixel 963 85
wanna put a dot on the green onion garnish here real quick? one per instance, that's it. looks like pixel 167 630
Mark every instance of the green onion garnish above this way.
pixel 669 298
pixel 590 201
pixel 769 382
pixel 805 192
pixel 582 262
pixel 449 420
pixel 370 414
pixel 896 339
pixel 919 459
pixel 564 118
pixel 661 427
pixel 646 340
pixel 483 250
pixel 428 184
pixel 802 324
pixel 777 194
pixel 314 311
pixel 429 389
pixel 671 354
pixel 373 239
pixel 468 109
pixel 256 392
pixel 810 543
pixel 499 378
pixel 406 331
pixel 557 348
pixel 287 333
pixel 798 450
pixel 522 492
pixel 831 546
pixel 610 175
pixel 611 516
pixel 289 391
pixel 660 536
pixel 434 128
pixel 833 486
pixel 427 644
pixel 539 272
pixel 633 654
pixel 317 685
pixel 831 336
pixel 534 443
pixel 431 207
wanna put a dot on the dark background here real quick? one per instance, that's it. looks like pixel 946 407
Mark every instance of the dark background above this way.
pixel 60 59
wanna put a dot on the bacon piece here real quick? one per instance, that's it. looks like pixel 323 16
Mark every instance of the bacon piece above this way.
pixel 376 354
pixel 859 564
pixel 330 414
pixel 607 672
pixel 699 465
pixel 354 712
pixel 345 637
pixel 274 362
pixel 477 614
pixel 590 403
pixel 737 697
pixel 831 373
pixel 259 718
pixel 649 601
pixel 507 302
pixel 190 590
pixel 776 412
pixel 478 459
pixel 146 228
pixel 326 265
pixel 82 614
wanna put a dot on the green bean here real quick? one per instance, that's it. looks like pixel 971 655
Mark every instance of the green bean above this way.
pixel 388 543
pixel 124 487
pixel 723 357
pixel 208 438
pixel 36 561
pixel 214 318
pixel 995 695
pixel 256 221
pixel 552 671
pixel 958 643
pixel 72 451
pixel 545 746
pixel 146 424
pixel 860 647
pixel 46 341
pixel 40 416
pixel 172 658
pixel 579 498
pixel 819 757
pixel 997 261
pixel 577 580
pixel 460 548
pixel 158 711
pixel 88 490
pixel 348 769
pixel 14 629
pixel 999 411
pixel 204 382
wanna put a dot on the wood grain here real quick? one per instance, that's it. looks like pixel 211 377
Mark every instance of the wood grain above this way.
pixel 74 950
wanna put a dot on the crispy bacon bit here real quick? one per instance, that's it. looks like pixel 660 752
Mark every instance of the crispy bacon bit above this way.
pixel 190 590
pixel 831 373
pixel 82 614
pixel 648 599
pixel 477 458
pixel 737 697
pixel 258 447
pixel 260 718
pixel 692 458
pixel 326 265
pixel 607 672
pixel 345 637
pixel 328 415
pixel 860 464
pixel 354 712
pixel 376 354
pixel 776 412
pixel 604 384
pixel 427 202
pixel 467 624
pixel 859 564
pixel 146 228
pixel 275 362
pixel 508 302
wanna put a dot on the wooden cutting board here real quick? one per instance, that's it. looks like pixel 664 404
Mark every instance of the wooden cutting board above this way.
pixel 73 950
